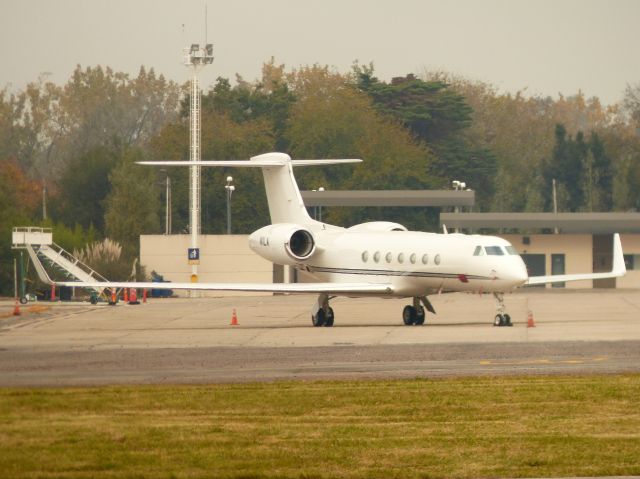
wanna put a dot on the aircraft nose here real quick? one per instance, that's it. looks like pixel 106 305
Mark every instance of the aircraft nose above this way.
pixel 519 271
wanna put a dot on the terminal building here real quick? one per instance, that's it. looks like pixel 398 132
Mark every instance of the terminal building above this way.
pixel 550 243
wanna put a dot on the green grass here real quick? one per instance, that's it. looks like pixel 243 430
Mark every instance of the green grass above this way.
pixel 478 427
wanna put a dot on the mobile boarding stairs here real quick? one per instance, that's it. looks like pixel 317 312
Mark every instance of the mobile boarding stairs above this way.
pixel 49 259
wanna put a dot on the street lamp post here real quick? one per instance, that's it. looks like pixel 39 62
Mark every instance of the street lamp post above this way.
pixel 167 212
pixel 320 206
pixel 230 189
pixel 458 186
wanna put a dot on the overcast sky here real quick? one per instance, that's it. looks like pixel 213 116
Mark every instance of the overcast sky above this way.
pixel 545 46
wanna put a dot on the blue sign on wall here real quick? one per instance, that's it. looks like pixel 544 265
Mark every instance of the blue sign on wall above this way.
pixel 193 255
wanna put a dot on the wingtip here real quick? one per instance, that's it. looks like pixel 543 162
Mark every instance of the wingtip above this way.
pixel 618 256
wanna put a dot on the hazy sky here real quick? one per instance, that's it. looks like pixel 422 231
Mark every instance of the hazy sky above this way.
pixel 546 46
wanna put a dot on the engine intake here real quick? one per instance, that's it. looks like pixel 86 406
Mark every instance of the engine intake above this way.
pixel 301 244
pixel 283 243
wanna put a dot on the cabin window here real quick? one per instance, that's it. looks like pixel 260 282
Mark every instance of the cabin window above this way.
pixel 494 250
pixel 479 251
pixel 436 260
pixel 425 258
pixel 365 256
pixel 412 258
pixel 511 250
pixel 376 256
pixel 388 257
pixel 401 258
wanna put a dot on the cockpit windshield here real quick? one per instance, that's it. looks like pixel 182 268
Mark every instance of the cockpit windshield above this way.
pixel 511 250
pixel 494 250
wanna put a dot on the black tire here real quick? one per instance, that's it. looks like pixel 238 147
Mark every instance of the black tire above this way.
pixel 420 317
pixel 499 320
pixel 507 320
pixel 318 319
pixel 24 300
pixel 93 299
pixel 409 315
pixel 328 320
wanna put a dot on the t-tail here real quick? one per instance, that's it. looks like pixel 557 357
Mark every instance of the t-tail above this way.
pixel 283 194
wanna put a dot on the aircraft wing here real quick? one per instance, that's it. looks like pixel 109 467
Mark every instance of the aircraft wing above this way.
pixel 300 288
pixel 619 269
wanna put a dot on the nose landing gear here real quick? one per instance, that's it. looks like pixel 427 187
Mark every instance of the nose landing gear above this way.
pixel 501 319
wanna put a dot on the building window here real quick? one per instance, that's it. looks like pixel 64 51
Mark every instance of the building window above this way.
pixel 632 261
pixel 557 267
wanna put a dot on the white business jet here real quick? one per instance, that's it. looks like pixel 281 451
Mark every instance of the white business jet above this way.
pixel 378 258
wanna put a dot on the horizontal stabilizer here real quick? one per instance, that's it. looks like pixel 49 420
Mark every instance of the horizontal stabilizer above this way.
pixel 338 288
pixel 249 163
pixel 619 269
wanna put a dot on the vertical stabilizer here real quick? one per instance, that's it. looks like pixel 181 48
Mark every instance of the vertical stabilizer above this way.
pixel 283 195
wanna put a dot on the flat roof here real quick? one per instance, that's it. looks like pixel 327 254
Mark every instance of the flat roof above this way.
pixel 565 222
pixel 388 198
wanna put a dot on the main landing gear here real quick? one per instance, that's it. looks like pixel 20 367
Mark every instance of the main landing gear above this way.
pixel 413 314
pixel 322 314
pixel 501 319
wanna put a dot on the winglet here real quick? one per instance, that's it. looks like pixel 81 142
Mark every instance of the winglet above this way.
pixel 619 268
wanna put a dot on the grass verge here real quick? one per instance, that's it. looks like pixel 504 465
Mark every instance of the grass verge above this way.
pixel 474 427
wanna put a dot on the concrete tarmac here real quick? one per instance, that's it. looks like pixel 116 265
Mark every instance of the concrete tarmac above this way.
pixel 192 341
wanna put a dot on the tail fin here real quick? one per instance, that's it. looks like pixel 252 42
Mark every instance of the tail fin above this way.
pixel 283 195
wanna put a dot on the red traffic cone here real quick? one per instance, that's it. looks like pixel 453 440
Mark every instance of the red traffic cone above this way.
pixel 133 296
pixel 144 295
pixel 114 298
pixel 125 293
pixel 530 322
pixel 234 318
pixel 16 308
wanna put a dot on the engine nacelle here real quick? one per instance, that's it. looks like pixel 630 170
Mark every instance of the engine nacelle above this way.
pixel 283 243
pixel 378 226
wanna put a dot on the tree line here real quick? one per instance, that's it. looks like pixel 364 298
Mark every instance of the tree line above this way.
pixel 74 147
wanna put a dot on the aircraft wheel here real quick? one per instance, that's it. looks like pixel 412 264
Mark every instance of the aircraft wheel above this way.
pixel 328 320
pixel 318 319
pixel 507 320
pixel 23 300
pixel 420 316
pixel 409 315
pixel 499 320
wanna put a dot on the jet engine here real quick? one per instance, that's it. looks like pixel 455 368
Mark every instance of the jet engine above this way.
pixel 283 243
pixel 378 226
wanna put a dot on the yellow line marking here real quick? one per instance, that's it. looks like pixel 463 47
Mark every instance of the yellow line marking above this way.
pixel 489 362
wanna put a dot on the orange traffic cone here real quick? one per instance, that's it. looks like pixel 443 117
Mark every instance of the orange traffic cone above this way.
pixel 144 295
pixel 234 318
pixel 126 295
pixel 114 298
pixel 530 322
pixel 16 308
